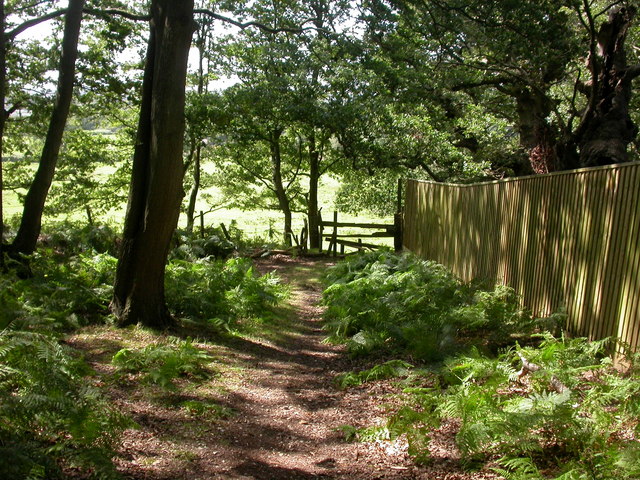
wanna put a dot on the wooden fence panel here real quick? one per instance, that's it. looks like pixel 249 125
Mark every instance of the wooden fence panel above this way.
pixel 564 241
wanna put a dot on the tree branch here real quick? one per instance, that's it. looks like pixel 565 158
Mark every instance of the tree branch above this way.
pixel 498 81
pixel 431 173
pixel 10 35
pixel 117 12
pixel 528 366
pixel 631 73
pixel 255 174
pixel 8 112
pixel 261 26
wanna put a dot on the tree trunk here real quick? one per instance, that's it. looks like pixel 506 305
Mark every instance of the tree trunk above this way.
pixel 196 146
pixel 156 183
pixel 3 90
pixel 280 190
pixel 31 222
pixel 314 180
pixel 195 189
pixel 536 136
pixel 607 129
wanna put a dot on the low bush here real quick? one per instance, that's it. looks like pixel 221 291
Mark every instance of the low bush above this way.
pixel 163 363
pixel 71 238
pixel 575 416
pixel 399 302
pixel 64 292
pixel 220 292
pixel 52 418
pixel 190 247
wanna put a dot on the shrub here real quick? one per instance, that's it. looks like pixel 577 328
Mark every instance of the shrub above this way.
pixel 51 417
pixel 63 293
pixel 575 417
pixel 189 247
pixel 71 238
pixel 163 363
pixel 220 292
pixel 384 300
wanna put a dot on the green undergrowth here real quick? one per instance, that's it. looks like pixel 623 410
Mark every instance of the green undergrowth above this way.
pixel 390 369
pixel 206 409
pixel 527 403
pixel 52 416
pixel 55 415
pixel 223 294
pixel 163 362
pixel 399 303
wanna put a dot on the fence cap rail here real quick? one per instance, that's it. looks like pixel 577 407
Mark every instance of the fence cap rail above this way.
pixel 358 225
pixel 530 177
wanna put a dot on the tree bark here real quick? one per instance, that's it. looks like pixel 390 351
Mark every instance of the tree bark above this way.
pixel 31 222
pixel 156 183
pixel 314 180
pixel 195 188
pixel 3 94
pixel 606 128
pixel 280 190
pixel 536 136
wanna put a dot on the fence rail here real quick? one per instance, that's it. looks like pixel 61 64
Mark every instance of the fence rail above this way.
pixel 569 240
pixel 391 230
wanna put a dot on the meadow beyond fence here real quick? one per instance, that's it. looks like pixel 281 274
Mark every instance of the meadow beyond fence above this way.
pixel 568 241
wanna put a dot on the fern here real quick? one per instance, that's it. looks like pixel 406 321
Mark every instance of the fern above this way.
pixel 390 369
pixel 390 301
pixel 163 363
pixel 518 468
pixel 220 293
pixel 50 415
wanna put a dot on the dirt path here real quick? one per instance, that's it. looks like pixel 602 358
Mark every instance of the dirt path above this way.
pixel 287 411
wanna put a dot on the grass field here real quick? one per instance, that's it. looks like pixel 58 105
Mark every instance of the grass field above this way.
pixel 268 224
pixel 265 224
pixel 11 204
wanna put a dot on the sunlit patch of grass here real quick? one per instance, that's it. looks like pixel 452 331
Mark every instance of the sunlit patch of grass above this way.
pixel 185 455
pixel 206 409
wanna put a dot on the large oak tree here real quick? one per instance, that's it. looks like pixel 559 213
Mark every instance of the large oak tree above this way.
pixel 557 70
pixel 156 185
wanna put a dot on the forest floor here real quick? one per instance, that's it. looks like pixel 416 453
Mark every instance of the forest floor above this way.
pixel 271 411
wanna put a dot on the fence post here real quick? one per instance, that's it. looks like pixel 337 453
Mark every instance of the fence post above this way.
pixel 321 228
pixel 334 236
pixel 398 221
pixel 225 232
pixel 201 224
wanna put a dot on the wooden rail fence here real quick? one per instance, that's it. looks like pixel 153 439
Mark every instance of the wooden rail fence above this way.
pixel 354 240
pixel 564 241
